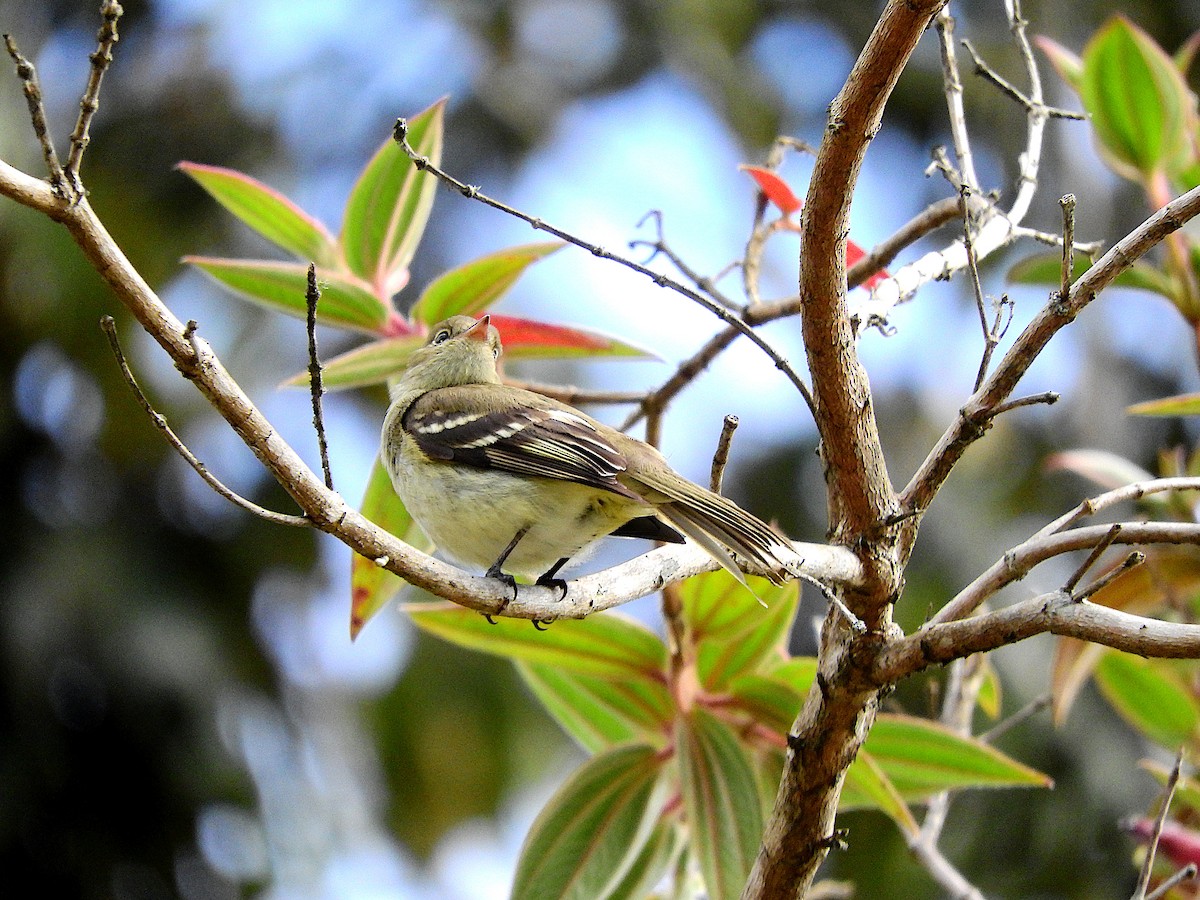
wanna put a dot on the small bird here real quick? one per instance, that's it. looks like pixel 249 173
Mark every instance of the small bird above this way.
pixel 506 478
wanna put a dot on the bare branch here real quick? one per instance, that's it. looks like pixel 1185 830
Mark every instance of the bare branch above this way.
pixel 1187 873
pixel 1049 398
pixel 1054 613
pixel 996 228
pixel 311 298
pixel 576 395
pixel 1019 561
pixel 1143 882
pixel 1101 545
pixel 101 58
pixel 660 246
pixel 37 115
pixel 1067 202
pixel 834 720
pixel 160 422
pixel 1130 492
pixel 932 217
pixel 972 421
pixel 952 88
pixel 1134 559
pixel 1030 709
pixel 721 456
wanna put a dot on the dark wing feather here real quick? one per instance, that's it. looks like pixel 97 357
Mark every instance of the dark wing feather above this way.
pixel 524 440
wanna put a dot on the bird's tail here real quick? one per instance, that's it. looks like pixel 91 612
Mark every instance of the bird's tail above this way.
pixel 719 526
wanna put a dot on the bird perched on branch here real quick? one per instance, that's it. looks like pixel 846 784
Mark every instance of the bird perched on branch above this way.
pixel 507 479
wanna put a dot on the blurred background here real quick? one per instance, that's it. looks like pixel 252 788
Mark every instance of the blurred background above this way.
pixel 182 713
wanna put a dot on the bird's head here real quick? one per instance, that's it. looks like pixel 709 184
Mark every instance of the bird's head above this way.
pixel 460 350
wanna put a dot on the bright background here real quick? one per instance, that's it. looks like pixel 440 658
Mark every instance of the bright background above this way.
pixel 181 711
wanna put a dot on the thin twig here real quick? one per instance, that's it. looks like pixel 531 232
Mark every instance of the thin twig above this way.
pixel 1028 711
pixel 1135 491
pixel 1159 820
pixel 577 395
pixel 1067 202
pixel 37 116
pixel 472 192
pixel 721 456
pixel 932 217
pixel 160 422
pixel 1047 397
pixel 990 337
pixel 1090 249
pixel 1010 90
pixel 1187 873
pixel 311 298
pixel 856 624
pixel 1097 551
pixel 1134 559
pixel 660 246
pixel 1028 346
pixel 101 58
pixel 952 88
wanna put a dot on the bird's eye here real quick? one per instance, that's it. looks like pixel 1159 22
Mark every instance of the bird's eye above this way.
pixel 441 337
pixel 495 353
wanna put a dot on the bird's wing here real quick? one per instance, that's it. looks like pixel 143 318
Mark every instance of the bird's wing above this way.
pixel 523 438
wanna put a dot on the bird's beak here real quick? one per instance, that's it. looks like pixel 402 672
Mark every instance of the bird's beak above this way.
pixel 479 331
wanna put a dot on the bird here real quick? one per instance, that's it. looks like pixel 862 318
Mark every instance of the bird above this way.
pixel 517 482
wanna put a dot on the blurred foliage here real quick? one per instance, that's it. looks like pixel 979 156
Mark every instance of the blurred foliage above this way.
pixel 129 604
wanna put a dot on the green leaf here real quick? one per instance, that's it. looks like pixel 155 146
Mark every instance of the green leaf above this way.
pixel 372 363
pixel 774 699
pixel 721 803
pixel 1179 405
pixel 1141 108
pixel 593 832
pixel 990 693
pixel 1151 696
pixel 732 631
pixel 603 712
pixel 371 585
pixel 267 211
pixel 390 204
pixel 650 865
pixel 527 339
pixel 922 758
pixel 473 287
pixel 345 301
pixel 1046 269
pixel 606 644
pixel 866 778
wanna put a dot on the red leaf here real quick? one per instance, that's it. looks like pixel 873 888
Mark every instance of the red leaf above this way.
pixel 523 336
pixel 853 254
pixel 1179 844
pixel 775 188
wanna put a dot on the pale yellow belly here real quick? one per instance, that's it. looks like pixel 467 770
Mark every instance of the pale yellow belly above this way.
pixel 472 515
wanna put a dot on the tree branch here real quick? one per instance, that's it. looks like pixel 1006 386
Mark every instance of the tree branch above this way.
pixel 1054 613
pixel 840 709
pixel 973 419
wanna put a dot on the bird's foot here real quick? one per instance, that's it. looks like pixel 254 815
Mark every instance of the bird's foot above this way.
pixel 557 583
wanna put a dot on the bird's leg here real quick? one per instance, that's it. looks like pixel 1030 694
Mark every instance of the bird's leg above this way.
pixel 547 578
pixel 494 570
